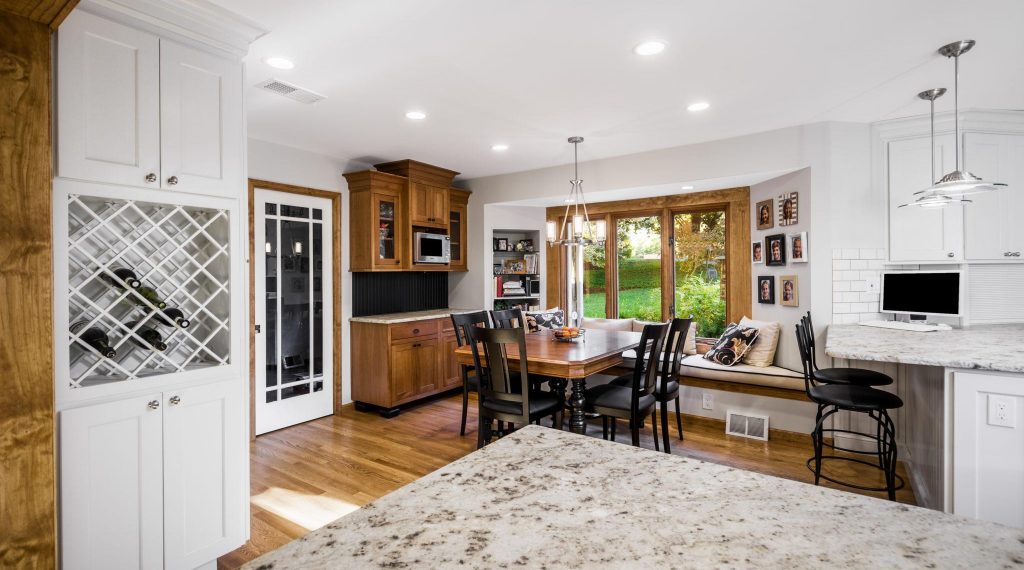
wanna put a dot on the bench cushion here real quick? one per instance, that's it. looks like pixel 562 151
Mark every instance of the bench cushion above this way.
pixel 696 366
pixel 608 324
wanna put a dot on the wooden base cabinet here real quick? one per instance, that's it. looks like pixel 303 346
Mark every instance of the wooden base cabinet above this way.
pixel 153 481
pixel 395 364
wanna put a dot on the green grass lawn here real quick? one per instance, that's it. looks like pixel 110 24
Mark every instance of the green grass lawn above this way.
pixel 645 304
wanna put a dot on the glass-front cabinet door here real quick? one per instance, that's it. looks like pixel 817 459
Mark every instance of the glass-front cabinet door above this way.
pixel 389 234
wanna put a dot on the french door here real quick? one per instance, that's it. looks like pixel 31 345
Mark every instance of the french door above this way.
pixel 294 308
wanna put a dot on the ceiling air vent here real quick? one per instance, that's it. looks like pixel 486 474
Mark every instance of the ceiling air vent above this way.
pixel 746 425
pixel 290 91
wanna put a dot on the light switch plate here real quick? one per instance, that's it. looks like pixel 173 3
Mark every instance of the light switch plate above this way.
pixel 1002 410
pixel 707 401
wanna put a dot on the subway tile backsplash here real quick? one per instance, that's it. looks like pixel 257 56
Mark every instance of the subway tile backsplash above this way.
pixel 852 269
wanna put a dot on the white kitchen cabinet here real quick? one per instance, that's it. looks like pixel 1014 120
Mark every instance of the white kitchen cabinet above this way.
pixel 154 481
pixel 915 233
pixel 992 221
pixel 988 446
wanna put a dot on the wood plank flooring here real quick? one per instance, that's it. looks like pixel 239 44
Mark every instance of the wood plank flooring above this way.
pixel 310 474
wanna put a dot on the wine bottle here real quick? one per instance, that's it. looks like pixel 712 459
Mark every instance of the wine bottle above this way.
pixel 94 337
pixel 172 316
pixel 153 339
pixel 150 295
pixel 124 276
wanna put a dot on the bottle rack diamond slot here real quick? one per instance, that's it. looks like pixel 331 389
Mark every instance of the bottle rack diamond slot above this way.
pixel 148 289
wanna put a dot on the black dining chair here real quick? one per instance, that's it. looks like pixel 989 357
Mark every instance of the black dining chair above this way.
pixel 637 401
pixel 499 396
pixel 508 318
pixel 833 398
pixel 464 325
pixel 667 388
pixel 850 376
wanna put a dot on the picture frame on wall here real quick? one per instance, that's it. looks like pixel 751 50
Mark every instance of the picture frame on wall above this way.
pixel 757 252
pixel 799 248
pixel 790 291
pixel 500 244
pixel 766 289
pixel 789 209
pixel 765 215
pixel 775 250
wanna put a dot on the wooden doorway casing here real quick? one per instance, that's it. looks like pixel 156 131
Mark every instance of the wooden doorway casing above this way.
pixel 335 198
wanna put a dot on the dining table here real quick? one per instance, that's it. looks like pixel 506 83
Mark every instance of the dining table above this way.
pixel 595 352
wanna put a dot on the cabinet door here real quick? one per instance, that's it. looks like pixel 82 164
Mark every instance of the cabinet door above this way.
pixel 457 231
pixel 204 459
pixel 419 204
pixel 108 102
pixel 427 358
pixel 414 368
pixel 388 231
pixel 450 369
pixel 438 198
pixel 201 122
pixel 992 228
pixel 915 233
pixel 111 485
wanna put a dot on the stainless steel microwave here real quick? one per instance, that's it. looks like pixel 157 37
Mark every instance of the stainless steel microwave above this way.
pixel 432 248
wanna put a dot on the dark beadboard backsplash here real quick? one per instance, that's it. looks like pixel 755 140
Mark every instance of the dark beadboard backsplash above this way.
pixel 380 293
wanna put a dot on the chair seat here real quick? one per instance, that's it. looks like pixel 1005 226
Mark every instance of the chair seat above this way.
pixel 852 376
pixel 614 397
pixel 672 389
pixel 855 397
pixel 541 404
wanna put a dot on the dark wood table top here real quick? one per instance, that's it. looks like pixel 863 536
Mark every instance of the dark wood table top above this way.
pixel 545 355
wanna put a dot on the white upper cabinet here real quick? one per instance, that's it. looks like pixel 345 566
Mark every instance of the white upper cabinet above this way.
pixel 915 233
pixel 992 221
pixel 108 104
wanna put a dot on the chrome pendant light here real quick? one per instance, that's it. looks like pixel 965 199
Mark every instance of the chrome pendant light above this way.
pixel 959 183
pixel 576 229
pixel 927 198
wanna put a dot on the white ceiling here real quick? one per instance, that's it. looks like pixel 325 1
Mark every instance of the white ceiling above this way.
pixel 530 73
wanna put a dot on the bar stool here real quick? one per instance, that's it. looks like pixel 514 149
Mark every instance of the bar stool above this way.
pixel 833 398
pixel 849 376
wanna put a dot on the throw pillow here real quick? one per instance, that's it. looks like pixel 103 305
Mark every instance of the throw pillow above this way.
pixel 690 342
pixel 732 345
pixel 549 319
pixel 762 353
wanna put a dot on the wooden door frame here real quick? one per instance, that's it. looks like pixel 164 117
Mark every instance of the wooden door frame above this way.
pixel 335 198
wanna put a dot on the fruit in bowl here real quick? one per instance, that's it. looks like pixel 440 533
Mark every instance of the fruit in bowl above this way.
pixel 568 333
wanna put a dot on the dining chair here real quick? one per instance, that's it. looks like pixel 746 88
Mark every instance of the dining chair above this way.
pixel 637 401
pixel 508 318
pixel 464 325
pixel 849 376
pixel 499 396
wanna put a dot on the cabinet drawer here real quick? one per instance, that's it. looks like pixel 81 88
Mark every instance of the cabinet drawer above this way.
pixel 414 329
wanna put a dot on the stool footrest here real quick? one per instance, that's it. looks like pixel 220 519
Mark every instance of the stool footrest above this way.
pixel 899 480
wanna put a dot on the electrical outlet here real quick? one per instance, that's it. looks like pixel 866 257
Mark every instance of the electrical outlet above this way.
pixel 1002 410
pixel 707 402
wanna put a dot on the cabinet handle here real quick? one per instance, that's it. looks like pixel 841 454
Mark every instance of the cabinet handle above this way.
pixel 153 404
pixel 175 400
pixel 1016 254
pixel 172 181
pixel 151 177
pixel 950 254
pixel 415 331
pixel 417 345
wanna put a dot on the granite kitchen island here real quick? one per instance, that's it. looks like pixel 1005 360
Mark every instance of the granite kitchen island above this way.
pixel 546 498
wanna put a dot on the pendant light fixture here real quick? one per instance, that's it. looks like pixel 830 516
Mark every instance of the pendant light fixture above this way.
pixel 927 198
pixel 576 229
pixel 958 183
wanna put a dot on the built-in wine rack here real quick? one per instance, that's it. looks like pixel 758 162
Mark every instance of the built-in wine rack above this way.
pixel 180 251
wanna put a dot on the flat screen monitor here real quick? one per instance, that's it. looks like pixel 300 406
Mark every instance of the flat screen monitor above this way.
pixel 921 292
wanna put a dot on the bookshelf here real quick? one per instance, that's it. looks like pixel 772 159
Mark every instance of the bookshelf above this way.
pixel 516 267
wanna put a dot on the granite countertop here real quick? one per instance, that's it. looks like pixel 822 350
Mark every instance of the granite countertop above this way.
pixel 542 498
pixel 983 347
pixel 392 318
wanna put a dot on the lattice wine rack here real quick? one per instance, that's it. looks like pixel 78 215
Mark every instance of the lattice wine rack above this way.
pixel 181 252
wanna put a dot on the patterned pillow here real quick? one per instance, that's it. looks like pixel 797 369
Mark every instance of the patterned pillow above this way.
pixel 549 319
pixel 734 343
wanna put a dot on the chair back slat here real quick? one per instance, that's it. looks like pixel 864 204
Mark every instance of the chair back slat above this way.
pixel 648 356
pixel 675 343
pixel 805 357
pixel 809 335
pixel 499 384
pixel 508 318
pixel 464 325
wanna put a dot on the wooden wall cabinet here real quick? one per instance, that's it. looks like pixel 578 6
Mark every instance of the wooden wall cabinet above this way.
pixel 428 205
pixel 402 362
pixel 458 206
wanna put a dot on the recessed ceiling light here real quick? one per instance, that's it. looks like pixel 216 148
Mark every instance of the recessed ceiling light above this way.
pixel 649 48
pixel 416 115
pixel 687 187
pixel 279 62
pixel 698 106
pixel 499 147
pixel 569 200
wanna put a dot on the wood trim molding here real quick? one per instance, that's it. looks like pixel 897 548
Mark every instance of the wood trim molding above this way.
pixel 335 198
pixel 47 12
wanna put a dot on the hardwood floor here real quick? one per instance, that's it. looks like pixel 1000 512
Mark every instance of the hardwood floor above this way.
pixel 310 474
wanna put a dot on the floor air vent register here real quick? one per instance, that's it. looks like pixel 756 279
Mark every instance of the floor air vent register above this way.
pixel 746 425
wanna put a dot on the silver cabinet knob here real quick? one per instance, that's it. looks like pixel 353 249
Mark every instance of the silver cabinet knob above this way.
pixel 175 400
pixel 172 181
pixel 151 177
pixel 950 254
pixel 153 404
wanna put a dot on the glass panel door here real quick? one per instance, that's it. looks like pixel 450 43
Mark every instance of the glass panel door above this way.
pixel 638 261
pixel 386 211
pixel 700 269
pixel 594 282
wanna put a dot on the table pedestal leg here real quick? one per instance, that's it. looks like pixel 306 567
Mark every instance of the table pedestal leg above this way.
pixel 577 422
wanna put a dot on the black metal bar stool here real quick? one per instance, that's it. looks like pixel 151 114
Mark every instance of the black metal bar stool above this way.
pixel 833 398
pixel 850 376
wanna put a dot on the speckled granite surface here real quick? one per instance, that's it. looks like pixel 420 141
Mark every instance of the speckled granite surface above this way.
pixel 392 318
pixel 985 347
pixel 541 498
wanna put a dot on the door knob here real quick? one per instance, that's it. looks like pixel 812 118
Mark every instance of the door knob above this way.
pixel 175 400
pixel 172 180
pixel 153 404
pixel 950 254
pixel 151 177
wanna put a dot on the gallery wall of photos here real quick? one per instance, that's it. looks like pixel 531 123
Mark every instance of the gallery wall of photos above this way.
pixel 778 249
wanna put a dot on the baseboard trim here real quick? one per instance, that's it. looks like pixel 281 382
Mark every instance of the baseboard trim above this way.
pixel 719 425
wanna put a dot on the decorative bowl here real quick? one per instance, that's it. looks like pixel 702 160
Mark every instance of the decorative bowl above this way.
pixel 562 335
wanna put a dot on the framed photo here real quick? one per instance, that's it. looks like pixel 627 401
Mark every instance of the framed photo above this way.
pixel 765 215
pixel 757 252
pixel 515 266
pixel 789 209
pixel 766 289
pixel 798 248
pixel 790 291
pixel 775 250
pixel 498 269
pixel 500 244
